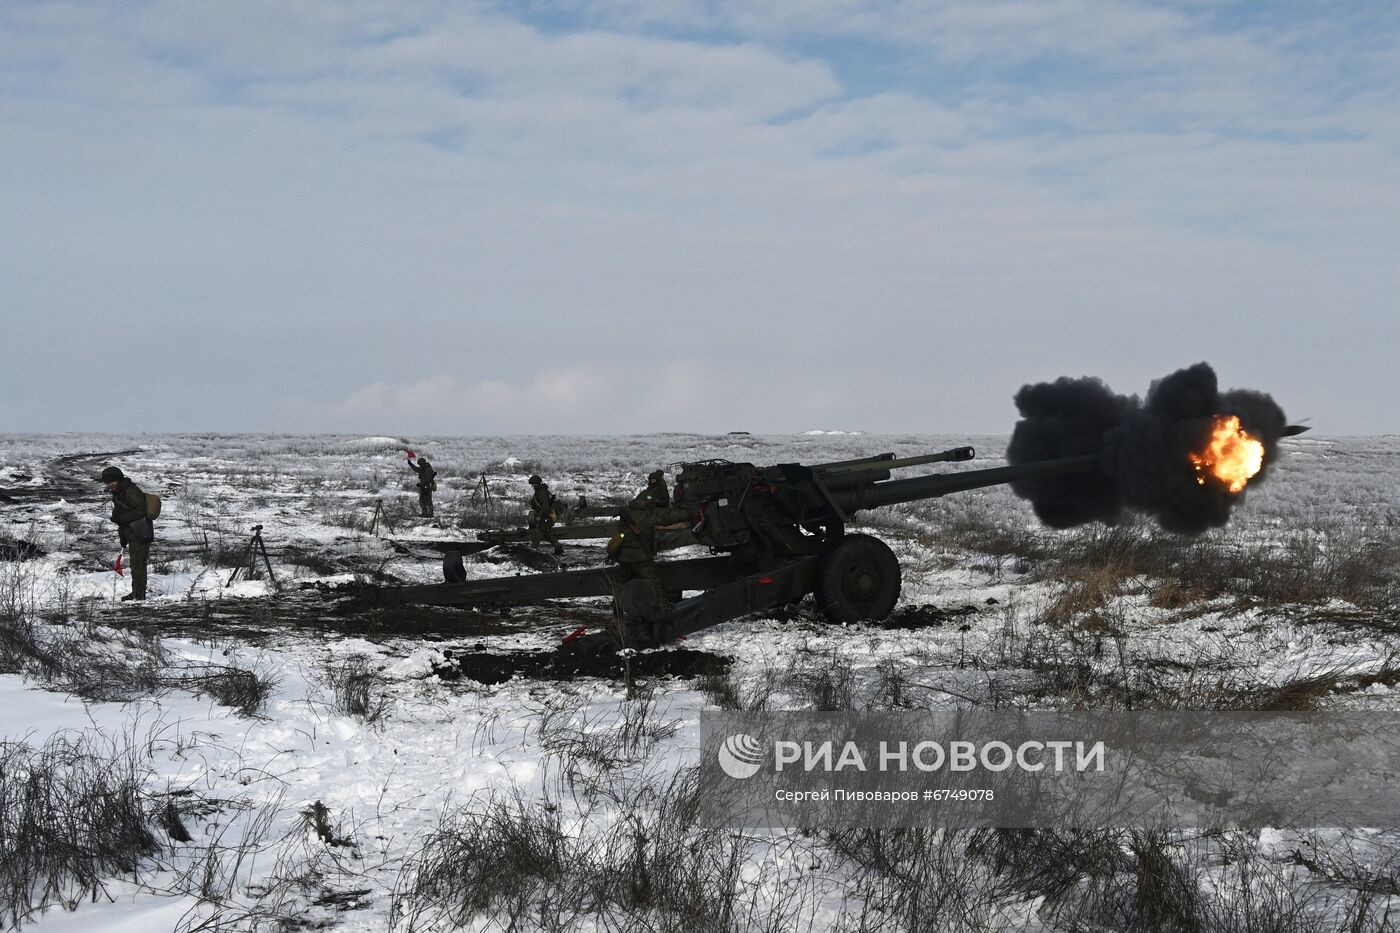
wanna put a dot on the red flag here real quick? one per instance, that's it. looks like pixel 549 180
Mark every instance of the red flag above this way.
pixel 575 634
pixel 410 453
pixel 118 565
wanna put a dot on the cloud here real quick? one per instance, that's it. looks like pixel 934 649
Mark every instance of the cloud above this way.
pixel 690 215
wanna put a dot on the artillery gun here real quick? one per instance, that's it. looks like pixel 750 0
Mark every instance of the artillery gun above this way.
pixel 777 533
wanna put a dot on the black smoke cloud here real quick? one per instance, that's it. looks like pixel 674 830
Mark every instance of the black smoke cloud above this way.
pixel 1144 448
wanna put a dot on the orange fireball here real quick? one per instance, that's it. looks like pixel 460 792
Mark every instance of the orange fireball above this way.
pixel 1232 456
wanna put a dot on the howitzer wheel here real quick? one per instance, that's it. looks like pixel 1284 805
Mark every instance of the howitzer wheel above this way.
pixel 858 579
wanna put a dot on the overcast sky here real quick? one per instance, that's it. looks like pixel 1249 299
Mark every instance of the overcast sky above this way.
pixel 695 215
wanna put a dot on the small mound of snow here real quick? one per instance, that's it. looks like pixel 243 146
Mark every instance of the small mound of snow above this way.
pixel 418 664
pixel 355 646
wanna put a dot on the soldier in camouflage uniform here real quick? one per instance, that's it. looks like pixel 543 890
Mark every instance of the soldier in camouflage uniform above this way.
pixel 634 545
pixel 543 515
pixel 427 482
pixel 655 496
pixel 134 528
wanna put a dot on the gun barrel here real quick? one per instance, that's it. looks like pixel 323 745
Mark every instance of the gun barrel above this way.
pixel 858 463
pixel 888 461
pixel 956 455
pixel 892 492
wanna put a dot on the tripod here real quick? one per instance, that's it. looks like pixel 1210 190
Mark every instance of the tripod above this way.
pixel 250 557
pixel 482 491
pixel 379 516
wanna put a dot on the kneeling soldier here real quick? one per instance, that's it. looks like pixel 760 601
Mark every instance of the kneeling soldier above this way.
pixel 655 496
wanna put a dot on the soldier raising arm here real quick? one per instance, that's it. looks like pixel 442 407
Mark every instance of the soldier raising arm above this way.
pixel 426 483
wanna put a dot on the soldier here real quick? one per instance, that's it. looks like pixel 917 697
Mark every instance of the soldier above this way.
pixel 543 515
pixel 134 527
pixel 655 496
pixel 634 545
pixel 427 483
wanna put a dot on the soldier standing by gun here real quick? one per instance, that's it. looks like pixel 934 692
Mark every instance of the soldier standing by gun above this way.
pixel 634 545
pixel 427 482
pixel 134 526
pixel 543 515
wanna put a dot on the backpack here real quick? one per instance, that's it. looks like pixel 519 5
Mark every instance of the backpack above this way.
pixel 152 505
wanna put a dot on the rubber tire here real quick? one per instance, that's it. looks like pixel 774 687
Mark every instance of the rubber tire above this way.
pixel 858 579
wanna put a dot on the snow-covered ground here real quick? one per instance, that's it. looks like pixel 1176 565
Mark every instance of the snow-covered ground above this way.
pixel 318 805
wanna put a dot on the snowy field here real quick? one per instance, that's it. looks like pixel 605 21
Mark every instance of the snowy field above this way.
pixel 257 757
